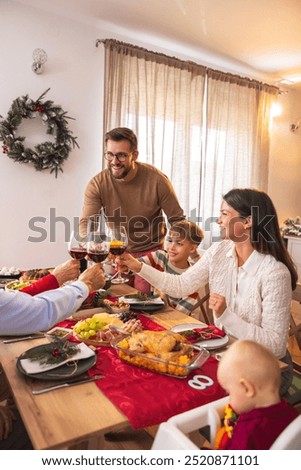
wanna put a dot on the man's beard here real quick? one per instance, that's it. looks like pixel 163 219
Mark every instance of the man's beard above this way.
pixel 121 175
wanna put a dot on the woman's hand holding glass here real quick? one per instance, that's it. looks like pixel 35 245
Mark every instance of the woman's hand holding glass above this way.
pixel 118 242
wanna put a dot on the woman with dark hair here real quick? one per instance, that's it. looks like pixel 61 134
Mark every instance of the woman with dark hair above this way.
pixel 250 274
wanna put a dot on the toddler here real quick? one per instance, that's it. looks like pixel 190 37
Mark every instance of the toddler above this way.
pixel 256 414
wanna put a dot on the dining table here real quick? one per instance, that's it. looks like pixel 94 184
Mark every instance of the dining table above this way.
pixel 74 417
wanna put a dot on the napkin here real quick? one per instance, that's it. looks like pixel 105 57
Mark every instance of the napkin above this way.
pixel 203 334
pixel 35 367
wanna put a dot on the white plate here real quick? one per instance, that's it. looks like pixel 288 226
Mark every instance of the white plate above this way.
pixel 207 344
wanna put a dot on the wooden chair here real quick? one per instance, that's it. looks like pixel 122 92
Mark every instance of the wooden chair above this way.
pixel 295 329
pixel 206 314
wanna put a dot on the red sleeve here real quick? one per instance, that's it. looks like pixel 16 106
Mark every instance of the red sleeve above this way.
pixel 48 282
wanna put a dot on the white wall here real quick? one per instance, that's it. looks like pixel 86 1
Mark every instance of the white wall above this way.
pixel 285 158
pixel 74 72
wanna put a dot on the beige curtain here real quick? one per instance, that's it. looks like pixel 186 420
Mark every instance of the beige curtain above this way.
pixel 236 144
pixel 205 129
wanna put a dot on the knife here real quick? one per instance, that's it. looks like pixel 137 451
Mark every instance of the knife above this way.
pixel 67 384
pixel 23 338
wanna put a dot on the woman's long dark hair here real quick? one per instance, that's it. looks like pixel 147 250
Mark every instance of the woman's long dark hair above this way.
pixel 265 233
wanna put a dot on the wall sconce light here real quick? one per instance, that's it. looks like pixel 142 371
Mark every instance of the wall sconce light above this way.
pixel 39 58
pixel 295 127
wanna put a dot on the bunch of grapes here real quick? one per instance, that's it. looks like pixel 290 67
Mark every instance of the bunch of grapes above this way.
pixel 87 328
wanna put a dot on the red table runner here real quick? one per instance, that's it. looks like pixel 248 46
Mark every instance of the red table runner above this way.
pixel 145 397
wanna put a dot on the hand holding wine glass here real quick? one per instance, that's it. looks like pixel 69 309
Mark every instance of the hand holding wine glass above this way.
pixel 117 246
pixel 77 246
pixel 97 244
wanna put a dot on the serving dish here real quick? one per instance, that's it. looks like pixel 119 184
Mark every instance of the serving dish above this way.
pixel 172 368
pixel 208 343
pixel 110 334
pixel 96 330
pixel 58 333
pixel 17 285
pixel 10 276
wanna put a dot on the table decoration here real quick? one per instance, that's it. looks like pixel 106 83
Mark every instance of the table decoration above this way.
pixel 46 357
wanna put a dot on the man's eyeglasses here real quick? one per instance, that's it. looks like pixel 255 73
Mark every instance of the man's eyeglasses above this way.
pixel 121 156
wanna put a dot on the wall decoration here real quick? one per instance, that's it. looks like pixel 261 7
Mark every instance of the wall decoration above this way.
pixel 47 154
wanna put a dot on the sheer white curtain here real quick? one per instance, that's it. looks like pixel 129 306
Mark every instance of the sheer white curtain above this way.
pixel 206 130
pixel 236 143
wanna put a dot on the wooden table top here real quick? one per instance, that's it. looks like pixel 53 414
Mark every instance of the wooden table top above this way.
pixel 75 417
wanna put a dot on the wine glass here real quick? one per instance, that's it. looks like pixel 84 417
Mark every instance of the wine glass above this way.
pixel 117 245
pixel 97 240
pixel 77 245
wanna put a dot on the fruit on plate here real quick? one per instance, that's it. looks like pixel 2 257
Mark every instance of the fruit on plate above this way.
pixel 88 328
pixel 17 285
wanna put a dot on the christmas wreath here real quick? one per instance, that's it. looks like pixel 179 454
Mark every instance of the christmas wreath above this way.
pixel 47 154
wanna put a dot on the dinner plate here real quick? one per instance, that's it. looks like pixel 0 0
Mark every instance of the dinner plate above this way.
pixel 147 307
pixel 73 369
pixel 207 344
pixel 150 305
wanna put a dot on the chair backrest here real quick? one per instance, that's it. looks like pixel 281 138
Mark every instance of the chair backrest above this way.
pixel 174 433
pixel 295 329
pixel 290 438
pixel 203 304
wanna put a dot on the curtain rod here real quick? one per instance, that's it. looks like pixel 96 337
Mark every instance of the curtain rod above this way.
pixel 115 42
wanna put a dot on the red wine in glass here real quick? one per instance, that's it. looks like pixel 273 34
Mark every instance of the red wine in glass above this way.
pixel 117 250
pixel 117 246
pixel 77 246
pixel 78 253
pixel 98 256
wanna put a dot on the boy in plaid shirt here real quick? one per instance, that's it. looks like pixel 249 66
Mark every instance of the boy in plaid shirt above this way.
pixel 181 252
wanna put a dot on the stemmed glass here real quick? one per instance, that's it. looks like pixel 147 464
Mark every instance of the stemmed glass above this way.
pixel 77 245
pixel 97 240
pixel 117 245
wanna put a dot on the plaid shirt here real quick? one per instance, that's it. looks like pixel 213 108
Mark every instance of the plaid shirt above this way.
pixel 159 260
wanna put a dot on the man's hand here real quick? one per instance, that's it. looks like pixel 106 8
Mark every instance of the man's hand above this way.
pixel 93 277
pixel 67 271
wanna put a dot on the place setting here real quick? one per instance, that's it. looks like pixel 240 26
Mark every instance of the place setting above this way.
pixel 57 360
pixel 209 337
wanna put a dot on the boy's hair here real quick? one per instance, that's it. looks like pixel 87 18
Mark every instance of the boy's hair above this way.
pixel 188 230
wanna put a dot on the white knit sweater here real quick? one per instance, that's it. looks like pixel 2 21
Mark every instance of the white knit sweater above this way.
pixel 265 314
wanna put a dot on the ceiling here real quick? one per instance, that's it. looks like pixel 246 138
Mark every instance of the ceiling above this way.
pixel 262 37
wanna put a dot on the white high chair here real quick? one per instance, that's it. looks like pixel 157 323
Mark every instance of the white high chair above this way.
pixel 174 433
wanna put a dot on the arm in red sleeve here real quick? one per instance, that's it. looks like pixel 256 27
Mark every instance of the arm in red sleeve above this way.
pixel 48 282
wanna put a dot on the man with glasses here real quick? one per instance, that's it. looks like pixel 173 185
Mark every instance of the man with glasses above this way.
pixel 132 194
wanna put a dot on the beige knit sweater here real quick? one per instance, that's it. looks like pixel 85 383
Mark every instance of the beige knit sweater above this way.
pixel 265 314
